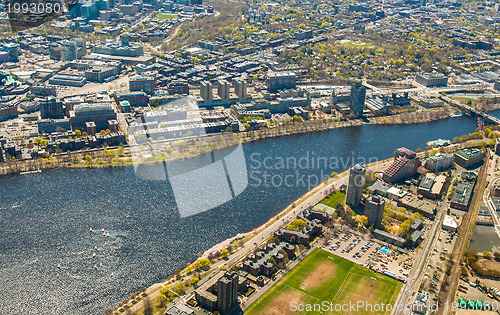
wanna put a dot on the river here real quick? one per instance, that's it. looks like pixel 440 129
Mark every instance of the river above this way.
pixel 46 247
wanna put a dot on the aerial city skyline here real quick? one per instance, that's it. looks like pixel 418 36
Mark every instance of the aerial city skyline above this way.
pixel 187 157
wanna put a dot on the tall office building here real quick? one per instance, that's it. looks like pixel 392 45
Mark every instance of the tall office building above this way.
pixel 277 81
pixel 68 50
pixel 51 108
pixel 223 90
pixel 81 47
pixel 55 51
pixel 206 92
pixel 354 193
pixel 227 292
pixel 13 50
pixel 374 211
pixel 240 88
pixel 358 95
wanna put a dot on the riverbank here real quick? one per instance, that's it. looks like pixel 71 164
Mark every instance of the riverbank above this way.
pixel 101 158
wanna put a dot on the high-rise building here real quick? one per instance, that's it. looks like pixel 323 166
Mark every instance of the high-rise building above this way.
pixel 355 185
pixel 405 164
pixel 142 83
pixel 240 88
pixel 227 292
pixel 358 95
pixel 81 47
pixel 55 51
pixel 374 211
pixel 68 50
pixel 51 108
pixel 13 50
pixel 223 90
pixel 277 81
pixel 206 91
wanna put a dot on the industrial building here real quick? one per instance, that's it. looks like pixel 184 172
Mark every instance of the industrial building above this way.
pixel 432 79
pixel 469 157
pixel 463 192
pixel 433 186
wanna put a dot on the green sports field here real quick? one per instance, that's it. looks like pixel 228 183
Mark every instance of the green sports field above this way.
pixel 165 16
pixel 325 277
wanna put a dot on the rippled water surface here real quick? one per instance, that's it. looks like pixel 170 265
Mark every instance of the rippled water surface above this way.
pixel 47 248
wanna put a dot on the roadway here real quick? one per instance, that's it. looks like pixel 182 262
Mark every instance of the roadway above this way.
pixel 415 277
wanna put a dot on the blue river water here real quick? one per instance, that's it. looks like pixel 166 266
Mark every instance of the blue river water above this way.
pixel 78 241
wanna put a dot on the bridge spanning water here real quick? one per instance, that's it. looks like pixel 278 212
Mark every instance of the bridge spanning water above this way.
pixel 472 111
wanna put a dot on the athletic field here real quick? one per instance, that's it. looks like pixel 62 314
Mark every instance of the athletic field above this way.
pixel 328 283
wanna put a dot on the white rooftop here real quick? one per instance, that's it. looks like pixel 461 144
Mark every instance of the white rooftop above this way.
pixel 450 222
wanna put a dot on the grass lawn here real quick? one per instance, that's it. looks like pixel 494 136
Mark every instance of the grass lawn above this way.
pixel 359 44
pixel 325 277
pixel 333 198
pixel 165 16
pixel 465 100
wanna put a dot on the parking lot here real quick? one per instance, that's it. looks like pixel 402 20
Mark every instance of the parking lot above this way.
pixel 369 253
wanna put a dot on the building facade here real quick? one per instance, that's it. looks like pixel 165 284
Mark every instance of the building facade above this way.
pixel 355 185
pixel 432 79
pixel 357 100
pixel 277 81
pixel 51 108
pixel 374 211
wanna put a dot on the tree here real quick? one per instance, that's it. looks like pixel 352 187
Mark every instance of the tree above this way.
pixel 148 306
pixel 362 220
pixel 195 280
pixel 224 252
pixel 299 223
pixel 486 255
pixel 272 261
pixel 371 228
pixel 78 133
pixel 88 159
pixel 120 151
pixel 162 300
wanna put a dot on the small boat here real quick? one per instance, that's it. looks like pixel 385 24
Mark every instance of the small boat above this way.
pixel 59 266
pixel 456 114
pixel 95 267
pixel 91 231
pixel 94 255
pixel 30 172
